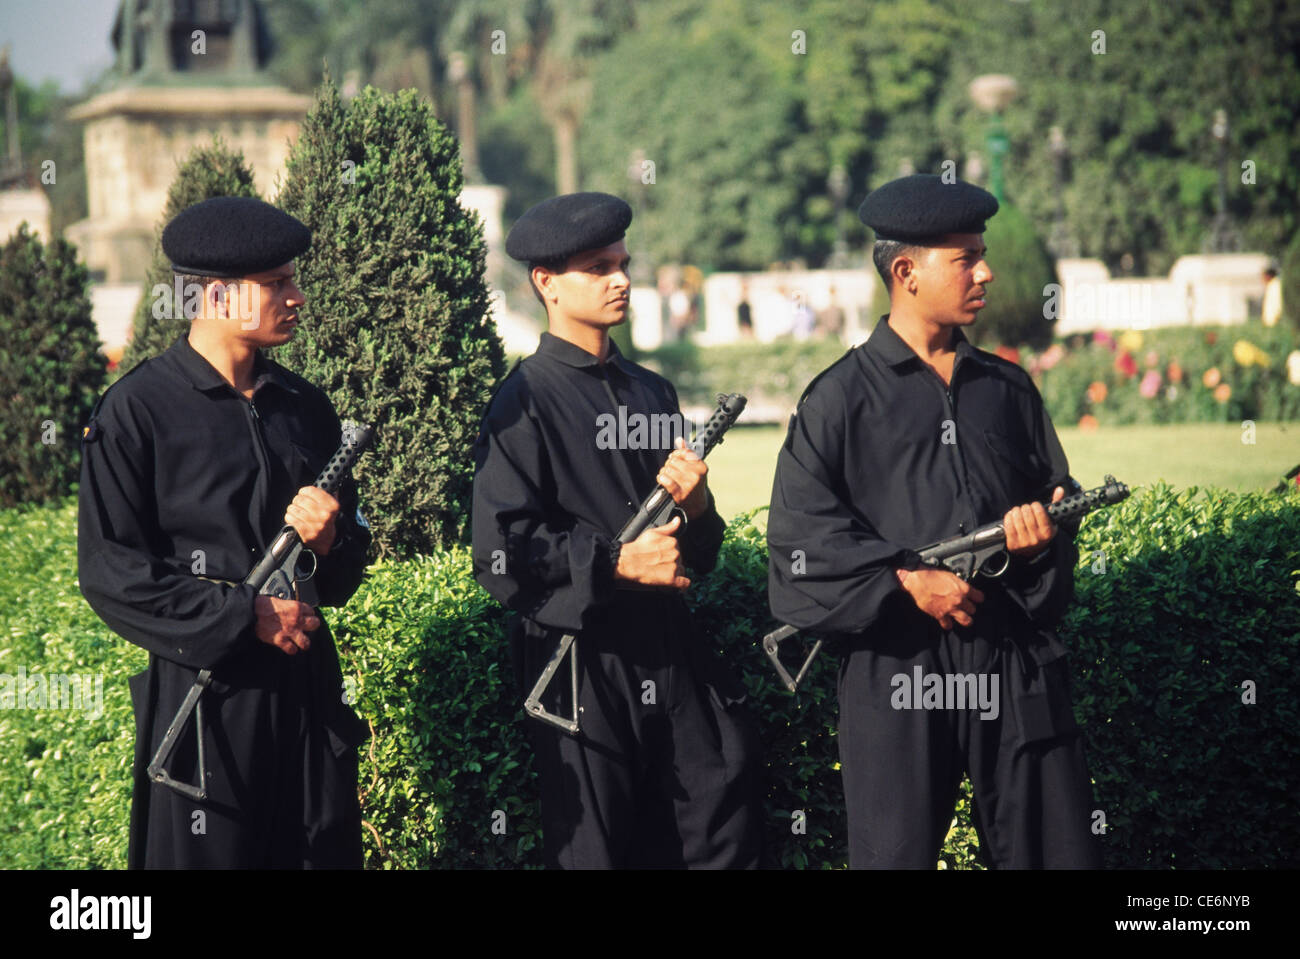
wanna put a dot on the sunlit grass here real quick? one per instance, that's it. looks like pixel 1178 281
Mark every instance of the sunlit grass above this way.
pixel 1185 454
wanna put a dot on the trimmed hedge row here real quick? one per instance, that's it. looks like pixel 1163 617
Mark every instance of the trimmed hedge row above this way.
pixel 1181 598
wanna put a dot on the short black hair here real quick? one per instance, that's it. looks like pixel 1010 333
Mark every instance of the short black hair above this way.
pixel 555 266
pixel 885 252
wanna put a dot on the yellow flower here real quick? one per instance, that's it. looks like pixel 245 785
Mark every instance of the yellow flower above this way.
pixel 1130 340
pixel 1247 353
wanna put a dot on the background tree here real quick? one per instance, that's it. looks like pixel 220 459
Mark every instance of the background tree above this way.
pixel 207 172
pixel 1137 118
pixel 51 367
pixel 395 327
pixel 1021 268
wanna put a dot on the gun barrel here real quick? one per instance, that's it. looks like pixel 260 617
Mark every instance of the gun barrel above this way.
pixel 1085 501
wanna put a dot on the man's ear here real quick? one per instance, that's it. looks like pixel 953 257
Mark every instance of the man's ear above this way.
pixel 903 272
pixel 544 282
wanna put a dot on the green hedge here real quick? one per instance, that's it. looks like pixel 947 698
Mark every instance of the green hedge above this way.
pixel 1180 598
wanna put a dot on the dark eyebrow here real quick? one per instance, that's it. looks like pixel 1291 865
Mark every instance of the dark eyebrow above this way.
pixel 977 251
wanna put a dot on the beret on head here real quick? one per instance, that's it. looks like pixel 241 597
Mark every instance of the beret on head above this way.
pixel 922 207
pixel 557 228
pixel 230 236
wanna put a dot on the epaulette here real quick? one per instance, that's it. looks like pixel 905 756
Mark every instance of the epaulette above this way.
pixel 91 431
pixel 813 382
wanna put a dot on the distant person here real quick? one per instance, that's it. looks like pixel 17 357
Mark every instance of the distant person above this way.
pixel 1271 313
pixel 804 321
pixel 830 321
pixel 745 315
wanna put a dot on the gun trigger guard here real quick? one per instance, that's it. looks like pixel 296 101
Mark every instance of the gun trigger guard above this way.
pixel 300 573
pixel 678 511
pixel 986 570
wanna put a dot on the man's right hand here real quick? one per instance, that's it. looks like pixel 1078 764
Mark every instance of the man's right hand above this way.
pixel 941 594
pixel 653 558
pixel 285 623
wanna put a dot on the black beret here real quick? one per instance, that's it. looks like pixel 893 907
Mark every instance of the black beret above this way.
pixel 924 207
pixel 229 236
pixel 557 228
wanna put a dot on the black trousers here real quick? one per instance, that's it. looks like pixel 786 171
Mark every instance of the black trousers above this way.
pixel 902 767
pixel 666 772
pixel 282 781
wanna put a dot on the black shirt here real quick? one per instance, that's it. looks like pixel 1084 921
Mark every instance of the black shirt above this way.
pixel 549 498
pixel 883 459
pixel 183 477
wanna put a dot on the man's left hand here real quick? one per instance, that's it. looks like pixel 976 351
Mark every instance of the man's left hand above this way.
pixel 1028 529
pixel 683 477
pixel 312 514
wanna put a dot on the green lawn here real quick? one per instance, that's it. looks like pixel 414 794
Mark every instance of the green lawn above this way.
pixel 1186 454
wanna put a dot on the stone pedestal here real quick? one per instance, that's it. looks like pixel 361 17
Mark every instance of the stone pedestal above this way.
pixel 136 138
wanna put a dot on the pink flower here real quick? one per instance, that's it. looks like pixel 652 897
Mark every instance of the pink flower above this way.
pixel 1051 356
pixel 1152 359
pixel 1103 338
pixel 1150 385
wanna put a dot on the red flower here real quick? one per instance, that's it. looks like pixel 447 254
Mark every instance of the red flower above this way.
pixel 1125 364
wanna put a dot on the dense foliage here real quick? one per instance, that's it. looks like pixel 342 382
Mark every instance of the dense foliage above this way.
pixel 395 326
pixel 747 108
pixel 51 367
pixel 1181 598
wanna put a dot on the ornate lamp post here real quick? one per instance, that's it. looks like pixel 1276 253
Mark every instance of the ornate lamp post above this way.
pixel 992 92
pixel 1223 236
pixel 1061 243
pixel 642 273
pixel 838 185
pixel 11 164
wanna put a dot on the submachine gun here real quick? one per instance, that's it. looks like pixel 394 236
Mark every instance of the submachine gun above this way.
pixel 656 511
pixel 982 552
pixel 285 564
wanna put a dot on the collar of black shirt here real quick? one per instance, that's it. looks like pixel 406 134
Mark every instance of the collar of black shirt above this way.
pixel 890 347
pixel 570 354
pixel 204 376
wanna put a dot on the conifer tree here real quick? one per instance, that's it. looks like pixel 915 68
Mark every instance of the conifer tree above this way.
pixel 395 326
pixel 51 367
pixel 1021 267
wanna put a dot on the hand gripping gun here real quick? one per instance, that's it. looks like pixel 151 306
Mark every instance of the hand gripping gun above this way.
pixel 982 552
pixel 657 510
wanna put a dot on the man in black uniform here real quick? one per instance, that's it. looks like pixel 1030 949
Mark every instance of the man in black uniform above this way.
pixel 665 769
pixel 188 464
pixel 914 437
